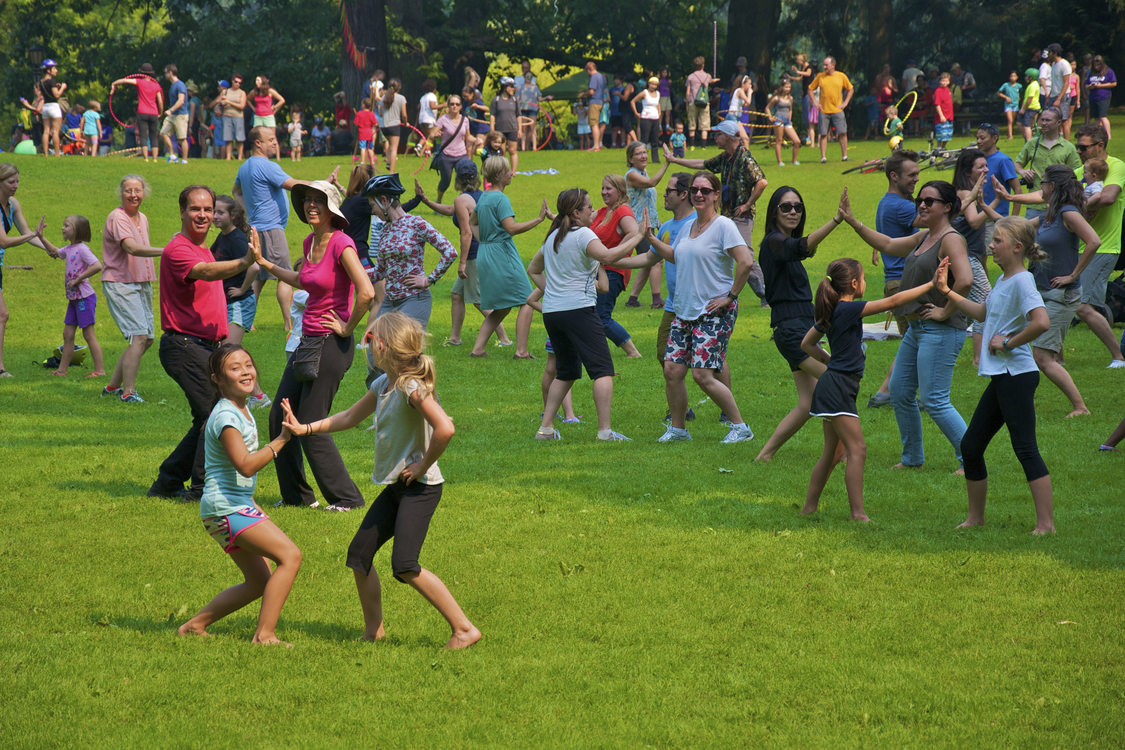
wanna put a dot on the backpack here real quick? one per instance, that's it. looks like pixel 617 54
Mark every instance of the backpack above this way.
pixel 702 96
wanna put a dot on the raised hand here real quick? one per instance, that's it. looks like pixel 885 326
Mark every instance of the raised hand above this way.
pixel 255 245
pixel 289 420
pixel 941 276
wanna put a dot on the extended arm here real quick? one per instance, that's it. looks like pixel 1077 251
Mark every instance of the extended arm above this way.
pixel 246 463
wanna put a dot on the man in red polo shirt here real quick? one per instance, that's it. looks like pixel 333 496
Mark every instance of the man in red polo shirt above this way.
pixel 193 315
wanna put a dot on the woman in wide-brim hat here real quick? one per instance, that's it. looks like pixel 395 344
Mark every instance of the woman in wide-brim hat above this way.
pixel 339 296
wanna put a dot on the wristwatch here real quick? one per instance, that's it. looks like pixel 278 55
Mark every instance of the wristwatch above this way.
pixel 732 295
pixel 1006 347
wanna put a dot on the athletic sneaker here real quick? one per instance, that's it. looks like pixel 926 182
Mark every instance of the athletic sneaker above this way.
pixel 878 400
pixel 337 508
pixel 738 434
pixel 613 437
pixel 258 402
pixel 107 391
pixel 132 398
pixel 552 435
pixel 724 419
pixel 1116 364
pixel 823 160
pixel 674 434
pixel 688 417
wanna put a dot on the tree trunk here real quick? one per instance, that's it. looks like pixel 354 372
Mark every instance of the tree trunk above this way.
pixel 880 22
pixel 367 20
pixel 751 31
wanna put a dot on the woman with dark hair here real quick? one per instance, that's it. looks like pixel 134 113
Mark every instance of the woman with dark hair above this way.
pixel 1058 233
pixel 266 102
pixel 968 178
pixel 923 368
pixel 1100 85
pixel 453 127
pixel 51 90
pixel 781 256
pixel 648 115
pixel 712 266
pixel 339 296
pixel 566 269
pixel 392 115
pixel 612 223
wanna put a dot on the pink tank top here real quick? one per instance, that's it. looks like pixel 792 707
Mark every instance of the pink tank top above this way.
pixel 263 105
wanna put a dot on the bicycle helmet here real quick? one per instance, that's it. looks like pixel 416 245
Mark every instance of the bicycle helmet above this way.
pixel 383 184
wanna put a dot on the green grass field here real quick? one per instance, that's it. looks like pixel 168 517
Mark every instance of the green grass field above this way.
pixel 629 594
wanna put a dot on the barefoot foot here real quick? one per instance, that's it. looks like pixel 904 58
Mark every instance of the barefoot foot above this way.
pixel 1038 530
pixel 901 465
pixel 808 509
pixel 1079 413
pixel 189 629
pixel 463 639
pixel 379 634
pixel 970 522
pixel 861 517
pixel 270 640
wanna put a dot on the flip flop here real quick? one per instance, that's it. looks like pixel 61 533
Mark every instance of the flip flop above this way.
pixel 96 374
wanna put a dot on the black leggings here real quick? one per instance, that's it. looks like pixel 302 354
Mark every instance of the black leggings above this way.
pixel 1010 400
pixel 650 134
pixel 446 165
pixel 148 130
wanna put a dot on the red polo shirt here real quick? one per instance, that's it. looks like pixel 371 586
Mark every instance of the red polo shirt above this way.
pixel 191 306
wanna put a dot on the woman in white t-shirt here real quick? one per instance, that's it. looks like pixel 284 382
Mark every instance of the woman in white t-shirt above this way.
pixel 566 269
pixel 712 266
pixel 392 113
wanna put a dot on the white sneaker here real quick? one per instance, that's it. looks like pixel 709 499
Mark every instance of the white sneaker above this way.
pixel 823 160
pixel 1116 364
pixel 613 437
pixel 781 164
pixel 552 435
pixel 674 434
pixel 738 434
pixel 796 164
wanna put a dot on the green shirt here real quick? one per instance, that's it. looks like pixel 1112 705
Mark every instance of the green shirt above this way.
pixel 741 173
pixel 1108 221
pixel 1038 159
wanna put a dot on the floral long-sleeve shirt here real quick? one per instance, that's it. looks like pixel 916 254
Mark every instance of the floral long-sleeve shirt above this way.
pixel 401 251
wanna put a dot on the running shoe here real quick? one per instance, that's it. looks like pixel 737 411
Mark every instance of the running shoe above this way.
pixel 1116 364
pixel 107 391
pixel 878 400
pixel 132 398
pixel 614 437
pixel 552 435
pixel 673 435
pixel 738 434
pixel 337 508
pixel 690 416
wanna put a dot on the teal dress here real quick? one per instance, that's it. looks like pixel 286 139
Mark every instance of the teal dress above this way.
pixel 503 278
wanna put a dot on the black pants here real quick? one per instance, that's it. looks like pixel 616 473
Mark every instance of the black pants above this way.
pixel 650 134
pixel 185 361
pixel 401 512
pixel 310 402
pixel 1010 400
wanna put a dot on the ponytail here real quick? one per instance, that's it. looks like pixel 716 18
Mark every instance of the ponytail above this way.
pixel 566 204
pixel 840 275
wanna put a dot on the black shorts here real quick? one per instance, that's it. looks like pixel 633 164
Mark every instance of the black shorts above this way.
pixel 533 113
pixel 787 337
pixel 403 512
pixel 578 339
pixel 513 136
pixel 835 394
pixel 1099 108
pixel 392 131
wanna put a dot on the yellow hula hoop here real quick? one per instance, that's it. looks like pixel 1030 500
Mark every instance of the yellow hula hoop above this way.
pixel 752 113
pixel 913 104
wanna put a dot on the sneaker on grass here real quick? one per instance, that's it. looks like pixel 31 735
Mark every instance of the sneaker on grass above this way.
pixel 878 400
pixel 132 398
pixel 552 435
pixel 107 391
pixel 674 434
pixel 612 437
pixel 738 434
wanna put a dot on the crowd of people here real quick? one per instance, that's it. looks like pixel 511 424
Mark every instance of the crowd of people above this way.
pixel 364 257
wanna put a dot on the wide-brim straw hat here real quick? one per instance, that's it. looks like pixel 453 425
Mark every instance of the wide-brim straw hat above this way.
pixel 326 190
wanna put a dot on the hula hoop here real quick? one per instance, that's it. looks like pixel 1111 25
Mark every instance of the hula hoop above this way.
pixel 131 75
pixel 913 104
pixel 125 152
pixel 544 139
pixel 424 158
pixel 752 113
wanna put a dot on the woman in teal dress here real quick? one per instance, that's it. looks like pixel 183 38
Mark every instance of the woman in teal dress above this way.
pixel 500 270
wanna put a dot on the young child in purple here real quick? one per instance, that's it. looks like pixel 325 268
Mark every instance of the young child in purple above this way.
pixel 81 265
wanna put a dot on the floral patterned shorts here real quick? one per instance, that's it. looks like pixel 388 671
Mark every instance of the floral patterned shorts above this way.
pixel 702 343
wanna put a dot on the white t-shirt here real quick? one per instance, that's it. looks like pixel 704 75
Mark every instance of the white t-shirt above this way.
pixel 910 79
pixel 572 276
pixel 1060 76
pixel 1009 308
pixel 1045 79
pixel 704 267
pixel 426 115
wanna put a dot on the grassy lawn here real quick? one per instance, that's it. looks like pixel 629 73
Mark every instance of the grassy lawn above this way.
pixel 630 594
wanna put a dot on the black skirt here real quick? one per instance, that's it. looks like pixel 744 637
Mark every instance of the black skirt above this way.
pixel 835 395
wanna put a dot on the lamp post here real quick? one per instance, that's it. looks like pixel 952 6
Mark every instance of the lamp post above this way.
pixel 35 55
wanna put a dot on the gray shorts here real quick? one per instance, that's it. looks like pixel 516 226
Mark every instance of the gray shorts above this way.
pixel 835 119
pixel 1061 306
pixel 130 304
pixel 1095 278
pixel 417 306
pixel 234 129
pixel 468 287
pixel 275 249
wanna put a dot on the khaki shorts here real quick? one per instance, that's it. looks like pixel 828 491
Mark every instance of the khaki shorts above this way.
pixel 468 287
pixel 1061 304
pixel 594 114
pixel 274 249
pixel 178 123
pixel 889 288
pixel 130 304
pixel 698 118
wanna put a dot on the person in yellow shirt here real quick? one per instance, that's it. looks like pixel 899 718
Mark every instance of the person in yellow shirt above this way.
pixel 835 95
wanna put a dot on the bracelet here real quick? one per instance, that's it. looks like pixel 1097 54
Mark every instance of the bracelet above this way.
pixel 274 452
pixel 1005 344
pixel 732 295
pixel 308 429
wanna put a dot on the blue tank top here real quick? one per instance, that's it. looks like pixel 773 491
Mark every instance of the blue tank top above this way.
pixel 472 243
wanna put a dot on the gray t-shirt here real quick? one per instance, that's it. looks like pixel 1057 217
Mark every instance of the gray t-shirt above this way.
pixel 401 433
pixel 391 116
pixel 1009 306
pixel 506 112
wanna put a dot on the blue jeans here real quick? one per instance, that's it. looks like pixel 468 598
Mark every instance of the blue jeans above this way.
pixel 924 366
pixel 604 307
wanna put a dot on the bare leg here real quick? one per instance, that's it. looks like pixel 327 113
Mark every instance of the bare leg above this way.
pixel 95 350
pixel 1116 436
pixel 67 351
pixel 1093 319
pixel 457 317
pixel 284 300
pixel 427 584
pixel 370 591
pixel 719 392
pixel 523 331
pixel 501 333
pixel 977 339
pixel 795 419
pixel 553 396
pixel 777 133
pixel 978 492
pixel 823 147
pixel 603 400
pixel 125 371
pixel 822 470
pixel 1042 495
pixel 491 321
pixel 1058 375
pixel 851 435
pixel 630 349
pixel 675 390
pixel 257 543
pixel 640 276
pixel 844 146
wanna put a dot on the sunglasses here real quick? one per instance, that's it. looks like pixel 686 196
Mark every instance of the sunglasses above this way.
pixel 1082 148
pixel 928 202
pixel 670 190
pixel 701 191
pixel 989 128
pixel 791 208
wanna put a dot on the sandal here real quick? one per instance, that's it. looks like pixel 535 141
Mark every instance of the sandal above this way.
pixel 4 373
pixel 529 355
pixel 96 374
